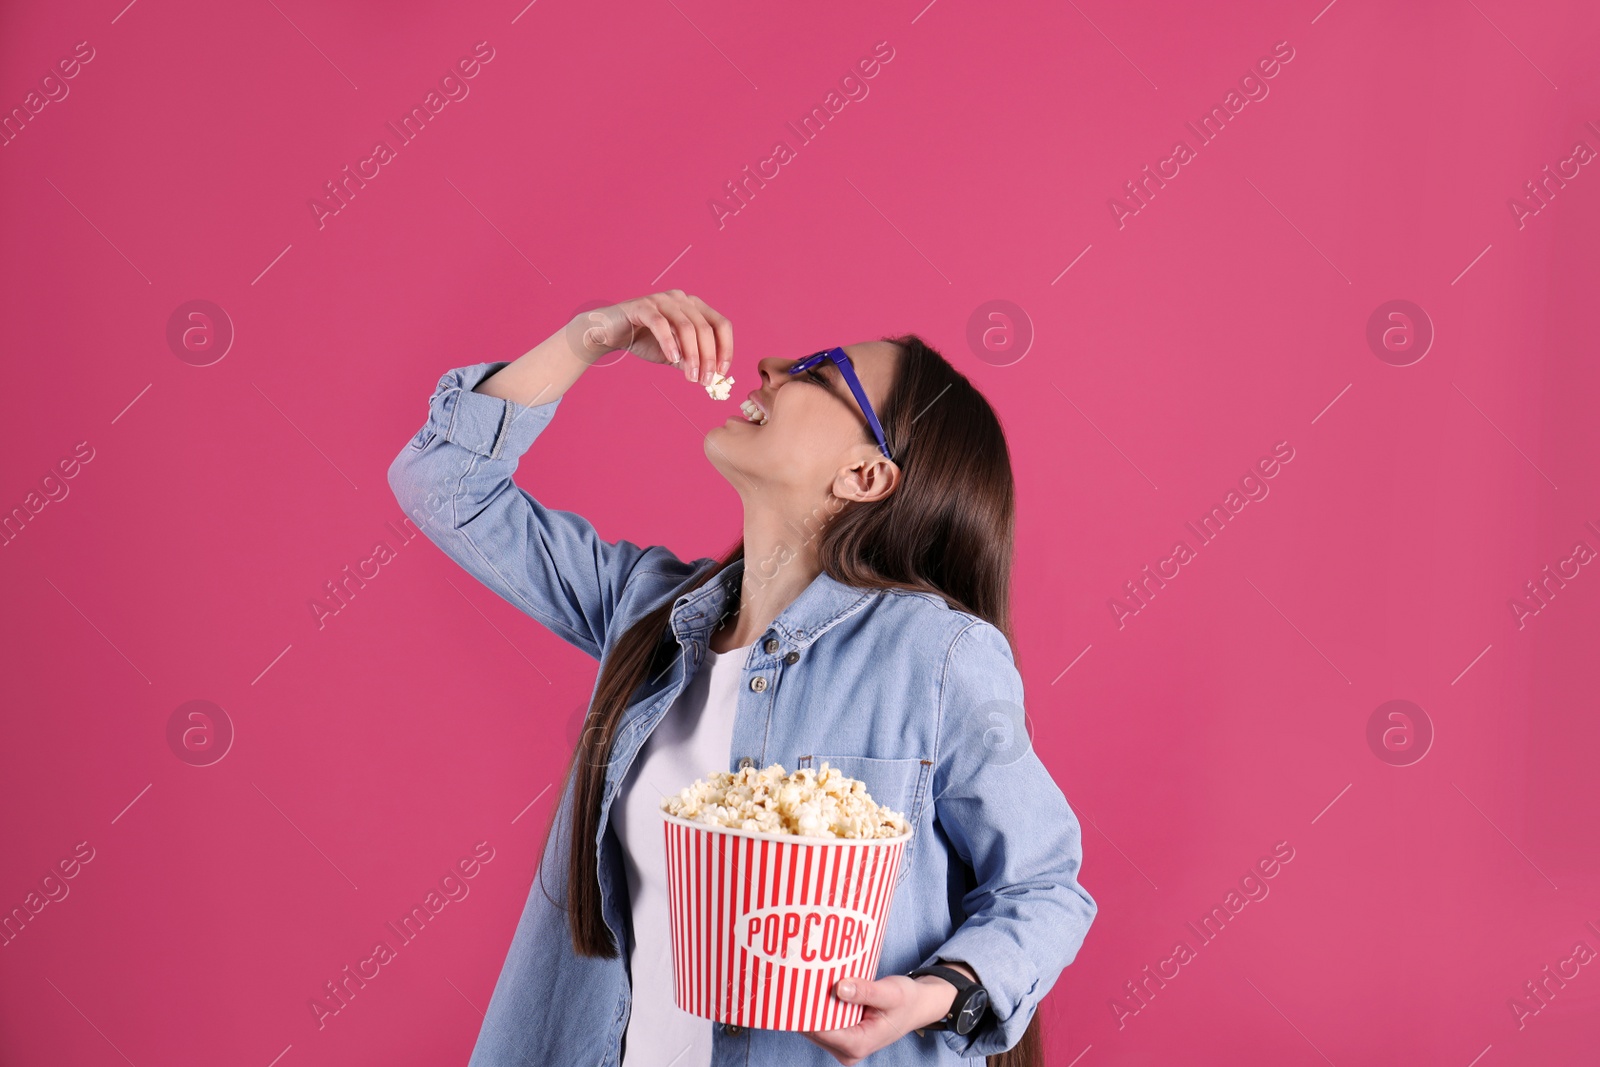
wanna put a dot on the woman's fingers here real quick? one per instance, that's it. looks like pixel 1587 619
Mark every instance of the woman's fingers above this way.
pixel 874 994
pixel 660 328
pixel 674 306
pixel 705 340
pixel 723 330
pixel 687 331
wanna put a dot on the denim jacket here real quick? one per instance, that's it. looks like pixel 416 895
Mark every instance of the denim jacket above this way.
pixel 921 702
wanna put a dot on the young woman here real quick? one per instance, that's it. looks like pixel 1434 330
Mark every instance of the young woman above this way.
pixel 862 620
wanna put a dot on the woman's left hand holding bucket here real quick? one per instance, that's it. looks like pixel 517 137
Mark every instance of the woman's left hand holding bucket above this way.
pixel 895 1005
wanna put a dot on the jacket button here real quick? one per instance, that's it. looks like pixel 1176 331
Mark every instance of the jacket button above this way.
pixel 793 657
pixel 771 645
pixel 730 1029
pixel 745 763
pixel 758 683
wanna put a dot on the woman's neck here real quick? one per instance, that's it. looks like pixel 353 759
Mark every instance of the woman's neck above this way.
pixel 780 561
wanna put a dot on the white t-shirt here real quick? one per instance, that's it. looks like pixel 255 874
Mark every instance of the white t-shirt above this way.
pixel 694 738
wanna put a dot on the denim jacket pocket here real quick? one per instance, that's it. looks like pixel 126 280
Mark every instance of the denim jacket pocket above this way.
pixel 898 784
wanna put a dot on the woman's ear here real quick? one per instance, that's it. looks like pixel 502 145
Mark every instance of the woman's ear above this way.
pixel 867 479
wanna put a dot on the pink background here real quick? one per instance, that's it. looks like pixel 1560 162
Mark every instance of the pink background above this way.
pixel 1228 314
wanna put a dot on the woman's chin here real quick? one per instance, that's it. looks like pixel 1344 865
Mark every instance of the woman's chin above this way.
pixel 720 442
pixel 728 450
pixel 733 428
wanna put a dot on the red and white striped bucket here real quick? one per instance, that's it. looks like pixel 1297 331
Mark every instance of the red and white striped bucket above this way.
pixel 764 925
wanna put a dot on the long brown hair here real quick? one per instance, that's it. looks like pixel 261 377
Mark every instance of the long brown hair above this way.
pixel 947 529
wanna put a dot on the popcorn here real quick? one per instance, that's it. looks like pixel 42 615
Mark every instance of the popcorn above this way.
pixel 720 387
pixel 821 803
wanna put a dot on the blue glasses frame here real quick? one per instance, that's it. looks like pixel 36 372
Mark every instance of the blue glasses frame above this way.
pixel 842 361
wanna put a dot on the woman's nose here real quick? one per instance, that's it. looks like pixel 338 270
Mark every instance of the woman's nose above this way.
pixel 772 369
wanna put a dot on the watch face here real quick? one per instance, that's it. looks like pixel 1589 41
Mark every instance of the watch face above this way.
pixel 972 1011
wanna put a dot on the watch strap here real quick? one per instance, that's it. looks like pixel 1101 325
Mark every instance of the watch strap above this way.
pixel 949 974
pixel 963 986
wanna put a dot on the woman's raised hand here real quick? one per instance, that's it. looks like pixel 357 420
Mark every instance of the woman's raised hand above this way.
pixel 667 327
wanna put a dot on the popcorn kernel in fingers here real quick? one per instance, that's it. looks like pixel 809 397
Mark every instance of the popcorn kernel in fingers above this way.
pixel 719 388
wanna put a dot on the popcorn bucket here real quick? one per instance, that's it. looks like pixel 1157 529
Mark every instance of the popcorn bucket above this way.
pixel 764 925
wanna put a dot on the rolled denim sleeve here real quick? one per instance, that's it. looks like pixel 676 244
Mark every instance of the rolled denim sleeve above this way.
pixel 454 479
pixel 1027 915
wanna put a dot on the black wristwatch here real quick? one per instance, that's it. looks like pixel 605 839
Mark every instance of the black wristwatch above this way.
pixel 967 1009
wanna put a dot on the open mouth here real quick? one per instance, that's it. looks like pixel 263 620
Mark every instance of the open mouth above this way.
pixel 753 412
